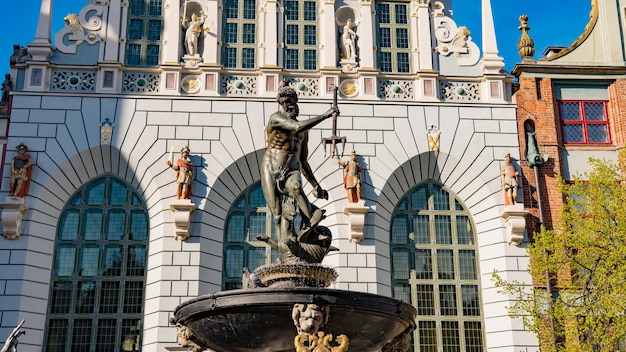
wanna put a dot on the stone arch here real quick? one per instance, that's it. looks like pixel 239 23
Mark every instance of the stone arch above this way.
pixel 477 186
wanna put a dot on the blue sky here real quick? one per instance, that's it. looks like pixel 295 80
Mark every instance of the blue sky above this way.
pixel 553 23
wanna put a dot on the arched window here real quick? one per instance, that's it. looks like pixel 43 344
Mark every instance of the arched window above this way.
pixel 435 267
pixel 248 217
pixel 99 270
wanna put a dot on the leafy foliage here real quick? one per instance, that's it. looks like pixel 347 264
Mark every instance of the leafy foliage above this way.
pixel 579 301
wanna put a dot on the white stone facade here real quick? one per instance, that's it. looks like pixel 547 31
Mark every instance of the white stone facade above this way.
pixel 224 127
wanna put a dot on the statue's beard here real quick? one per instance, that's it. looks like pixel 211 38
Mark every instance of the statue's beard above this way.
pixel 292 110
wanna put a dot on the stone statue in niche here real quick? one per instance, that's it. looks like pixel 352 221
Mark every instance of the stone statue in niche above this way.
pixel 21 169
pixel 193 29
pixel 351 177
pixel 184 173
pixel 348 41
pixel 508 176
pixel 7 86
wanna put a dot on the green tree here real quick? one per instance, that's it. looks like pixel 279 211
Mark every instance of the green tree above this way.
pixel 584 260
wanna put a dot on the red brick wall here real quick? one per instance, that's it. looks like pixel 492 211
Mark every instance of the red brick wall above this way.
pixel 535 101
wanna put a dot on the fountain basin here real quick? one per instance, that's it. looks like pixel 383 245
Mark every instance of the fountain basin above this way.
pixel 260 320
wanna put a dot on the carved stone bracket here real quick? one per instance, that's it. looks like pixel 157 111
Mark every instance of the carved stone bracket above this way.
pixel 12 210
pixel 356 216
pixel 182 210
pixel 515 219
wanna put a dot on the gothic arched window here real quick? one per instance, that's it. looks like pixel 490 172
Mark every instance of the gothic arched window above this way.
pixel 248 217
pixel 435 268
pixel 99 270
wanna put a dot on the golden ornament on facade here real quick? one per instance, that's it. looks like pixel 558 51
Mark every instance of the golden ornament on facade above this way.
pixel 525 45
pixel 320 342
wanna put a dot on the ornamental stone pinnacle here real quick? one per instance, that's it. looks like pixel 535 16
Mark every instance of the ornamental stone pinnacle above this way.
pixel 525 45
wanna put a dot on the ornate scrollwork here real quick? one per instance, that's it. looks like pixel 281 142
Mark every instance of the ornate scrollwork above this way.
pixel 452 39
pixel 320 342
pixel 238 85
pixel 84 81
pixel 460 91
pixel 136 82
pixel 395 89
pixel 79 28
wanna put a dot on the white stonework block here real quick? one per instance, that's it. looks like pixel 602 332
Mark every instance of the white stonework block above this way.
pixel 347 274
pixel 500 140
pixel 3 285
pixel 18 257
pixel 508 113
pixel 112 107
pixel 376 123
pixel 344 123
pixel 357 286
pixel 17 130
pixel 508 127
pixel 61 102
pixel 256 124
pixel 405 140
pixel 200 148
pixel 366 274
pixel 167 132
pixel 210 275
pixel 346 109
pixel 357 260
pixel 9 303
pixel 230 106
pixel 390 110
pixel 47 116
pixel 179 288
pixel 38 275
pixel 191 105
pixel 374 137
pixel 187 133
pixel 487 126
pixel 475 113
pixel 168 118
pixel 169 272
pixel 353 136
pixel 91 112
pixel 26 102
pixel 45 131
pixel 19 115
pixel 56 152
pixel 181 258
pixel 96 162
pixel 154 105
pixel 5 256
pixel 211 133
pixel 38 259
pixel 76 128
pixel 210 119
pixel 193 288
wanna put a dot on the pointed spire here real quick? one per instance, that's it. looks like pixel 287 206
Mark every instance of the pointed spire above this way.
pixel 492 63
pixel 41 47
pixel 525 45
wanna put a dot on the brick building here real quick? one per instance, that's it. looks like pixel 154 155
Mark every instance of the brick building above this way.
pixel 573 101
